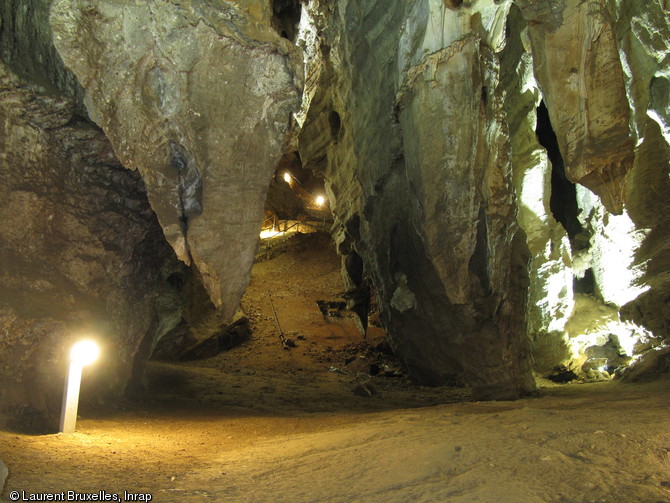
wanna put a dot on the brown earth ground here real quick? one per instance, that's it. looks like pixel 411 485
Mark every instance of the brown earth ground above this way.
pixel 260 423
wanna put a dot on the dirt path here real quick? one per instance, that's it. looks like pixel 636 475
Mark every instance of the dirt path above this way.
pixel 263 424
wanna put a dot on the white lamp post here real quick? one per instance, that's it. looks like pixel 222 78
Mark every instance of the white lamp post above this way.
pixel 82 353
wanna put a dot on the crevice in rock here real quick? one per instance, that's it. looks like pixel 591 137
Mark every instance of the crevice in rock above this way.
pixel 586 284
pixel 479 261
pixel 335 124
pixel 286 18
pixel 190 183
pixel 563 201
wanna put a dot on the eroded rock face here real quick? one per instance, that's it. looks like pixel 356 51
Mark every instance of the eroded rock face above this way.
pixel 419 174
pixel 81 253
pixel 198 98
pixel 27 48
pixel 578 69
pixel 550 295
pixel 429 122
pixel 616 259
pixel 643 35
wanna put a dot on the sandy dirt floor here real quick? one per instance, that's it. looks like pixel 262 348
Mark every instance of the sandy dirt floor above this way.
pixel 260 423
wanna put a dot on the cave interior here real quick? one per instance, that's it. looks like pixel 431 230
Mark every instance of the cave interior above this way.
pixel 417 250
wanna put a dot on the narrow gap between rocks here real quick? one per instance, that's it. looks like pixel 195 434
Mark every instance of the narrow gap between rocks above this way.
pixel 563 200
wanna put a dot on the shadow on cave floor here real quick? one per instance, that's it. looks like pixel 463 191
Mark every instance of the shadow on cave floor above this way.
pixel 327 367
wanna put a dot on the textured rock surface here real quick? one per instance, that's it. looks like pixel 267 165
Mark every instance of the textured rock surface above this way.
pixel 643 35
pixel 432 110
pixel 198 97
pixel 81 252
pixel 418 168
pixel 26 46
pixel 550 296
pixel 600 68
pixel 578 70
pixel 3 474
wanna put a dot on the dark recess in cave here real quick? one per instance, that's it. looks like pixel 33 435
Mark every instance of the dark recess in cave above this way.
pixel 585 284
pixel 286 17
pixel 453 4
pixel 563 202
pixel 335 123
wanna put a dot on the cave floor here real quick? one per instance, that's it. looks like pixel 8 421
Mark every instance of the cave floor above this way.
pixel 259 423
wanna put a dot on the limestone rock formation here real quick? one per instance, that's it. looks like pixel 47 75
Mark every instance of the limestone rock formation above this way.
pixel 550 295
pixel 451 126
pixel 198 97
pixel 578 70
pixel 643 35
pixel 26 46
pixel 81 252
pixel 418 166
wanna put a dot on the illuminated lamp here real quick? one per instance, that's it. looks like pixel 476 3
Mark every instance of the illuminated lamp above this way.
pixel 82 353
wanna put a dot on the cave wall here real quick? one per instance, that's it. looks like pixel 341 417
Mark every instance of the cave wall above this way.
pixel 600 67
pixel 26 46
pixel 577 67
pixel 81 254
pixel 198 98
pixel 468 142
pixel 418 169
pixel 643 40
pixel 550 293
pixel 195 104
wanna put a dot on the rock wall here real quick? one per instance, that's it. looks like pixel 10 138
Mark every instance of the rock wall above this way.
pixel 454 135
pixel 418 168
pixel 81 254
pixel 198 98
pixel 643 40
pixel 577 67
pixel 600 67
pixel 550 294
pixel 26 46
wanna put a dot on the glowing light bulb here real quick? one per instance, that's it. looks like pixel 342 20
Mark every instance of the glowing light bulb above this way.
pixel 320 200
pixel 287 177
pixel 84 352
